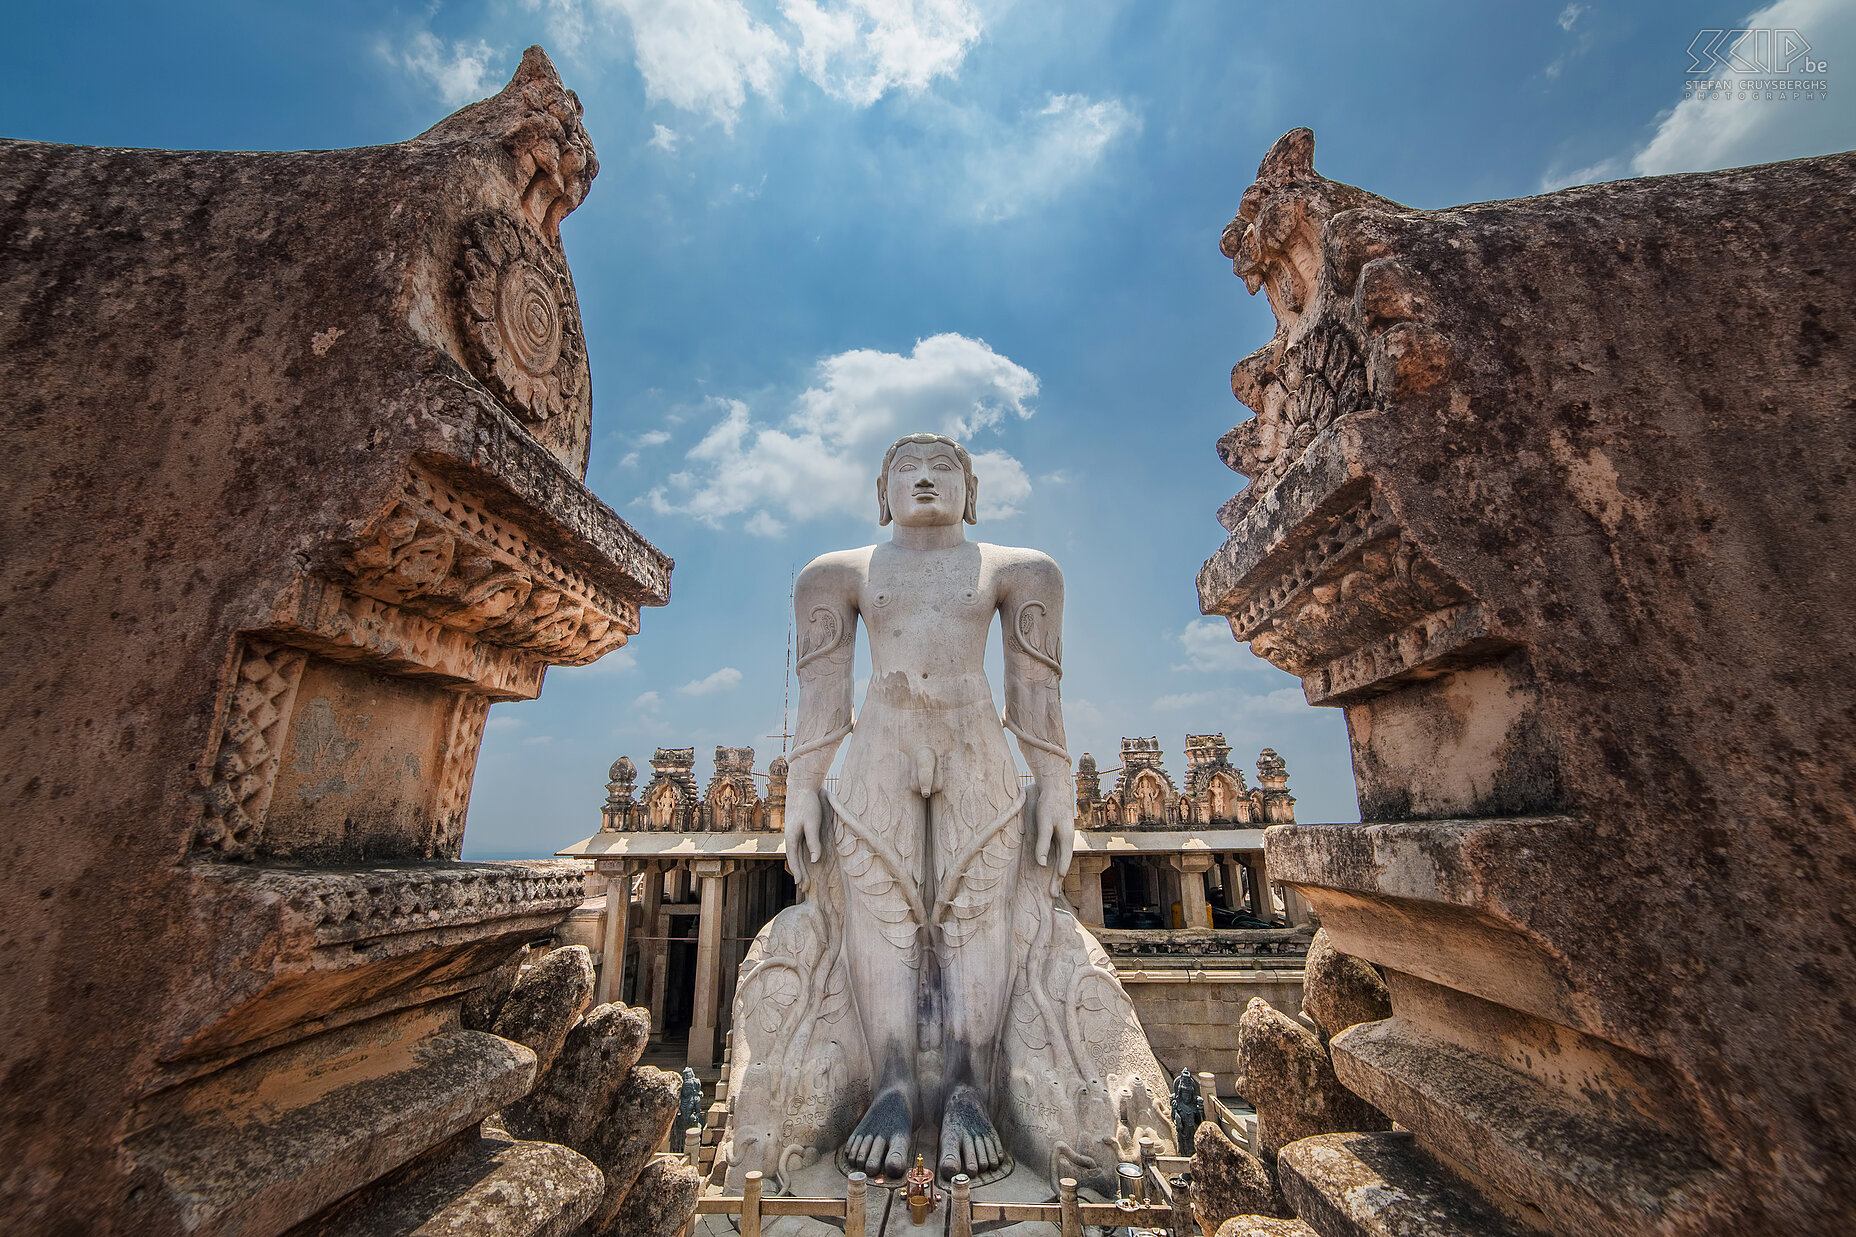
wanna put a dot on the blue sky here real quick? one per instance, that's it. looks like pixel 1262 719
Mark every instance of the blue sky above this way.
pixel 818 225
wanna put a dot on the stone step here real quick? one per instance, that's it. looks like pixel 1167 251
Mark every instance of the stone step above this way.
pixel 1559 1154
pixel 259 1151
pixel 1380 1185
pixel 493 1186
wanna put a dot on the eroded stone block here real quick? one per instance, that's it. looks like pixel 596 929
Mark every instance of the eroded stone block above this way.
pixel 545 1002
pixel 1284 1071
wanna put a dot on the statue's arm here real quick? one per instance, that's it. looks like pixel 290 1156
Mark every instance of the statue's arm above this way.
pixel 825 622
pixel 1031 610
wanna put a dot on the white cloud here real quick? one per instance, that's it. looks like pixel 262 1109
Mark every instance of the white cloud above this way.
pixel 1210 646
pixel 1569 16
pixel 502 721
pixel 538 740
pixel 708 57
pixel 703 56
pixel 647 701
pixel 653 438
pixel 1701 134
pixel 664 138
pixel 823 458
pixel 860 50
pixel 1014 168
pixel 457 72
pixel 720 681
pixel 1230 702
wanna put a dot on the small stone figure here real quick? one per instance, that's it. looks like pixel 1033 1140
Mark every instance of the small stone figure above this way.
pixel 691 1112
pixel 1188 1106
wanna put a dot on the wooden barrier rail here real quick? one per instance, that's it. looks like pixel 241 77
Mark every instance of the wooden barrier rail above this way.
pixel 1069 1213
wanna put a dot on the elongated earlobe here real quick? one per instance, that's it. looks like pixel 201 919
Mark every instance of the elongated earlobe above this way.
pixel 882 503
pixel 971 515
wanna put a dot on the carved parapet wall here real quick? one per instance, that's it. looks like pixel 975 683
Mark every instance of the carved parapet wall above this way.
pixel 306 435
pixel 1569 555
pixel 671 803
pixel 1214 796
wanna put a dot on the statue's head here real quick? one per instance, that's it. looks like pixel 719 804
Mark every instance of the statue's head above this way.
pixel 927 479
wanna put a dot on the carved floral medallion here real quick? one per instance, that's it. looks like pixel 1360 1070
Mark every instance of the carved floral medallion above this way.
pixel 521 325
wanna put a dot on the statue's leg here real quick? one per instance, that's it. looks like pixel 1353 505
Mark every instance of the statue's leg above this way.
pixel 978 963
pixel 885 966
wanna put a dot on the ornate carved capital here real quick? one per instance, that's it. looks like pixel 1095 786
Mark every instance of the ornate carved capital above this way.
pixel 442 554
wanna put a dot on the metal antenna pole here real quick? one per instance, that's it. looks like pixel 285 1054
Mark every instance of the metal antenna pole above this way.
pixel 786 693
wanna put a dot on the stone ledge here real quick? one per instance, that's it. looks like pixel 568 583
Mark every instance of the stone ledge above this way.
pixel 1462 863
pixel 257 1155
pixel 1449 901
pixel 1380 1185
pixel 346 944
pixel 1558 1156
pixel 492 1187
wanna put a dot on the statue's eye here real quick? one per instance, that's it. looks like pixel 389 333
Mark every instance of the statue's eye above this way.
pixel 943 466
pixel 905 468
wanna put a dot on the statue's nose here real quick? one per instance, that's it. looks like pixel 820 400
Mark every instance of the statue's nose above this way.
pixel 927 481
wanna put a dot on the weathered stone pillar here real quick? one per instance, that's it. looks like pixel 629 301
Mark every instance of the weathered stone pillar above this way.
pixel 650 898
pixel 712 873
pixel 1191 870
pixel 660 951
pixel 1262 904
pixel 611 983
pixel 1232 870
pixel 1577 564
pixel 1089 870
pixel 297 446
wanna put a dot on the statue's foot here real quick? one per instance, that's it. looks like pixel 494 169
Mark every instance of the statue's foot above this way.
pixel 880 1143
pixel 969 1144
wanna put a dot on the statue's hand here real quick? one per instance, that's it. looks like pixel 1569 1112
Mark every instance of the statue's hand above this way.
pixel 804 812
pixel 1056 832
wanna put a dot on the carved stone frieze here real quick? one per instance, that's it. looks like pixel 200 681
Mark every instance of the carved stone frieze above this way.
pixel 1341 581
pixel 670 802
pixel 441 553
pixel 242 768
pixel 521 321
pixel 352 906
pixel 731 801
pixel 347 626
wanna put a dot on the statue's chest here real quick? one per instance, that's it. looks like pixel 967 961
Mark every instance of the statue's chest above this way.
pixel 928 595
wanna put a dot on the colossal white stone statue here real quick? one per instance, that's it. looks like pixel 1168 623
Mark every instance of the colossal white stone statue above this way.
pixel 932 994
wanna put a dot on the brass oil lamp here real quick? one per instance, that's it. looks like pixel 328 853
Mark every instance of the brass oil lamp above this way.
pixel 922 1196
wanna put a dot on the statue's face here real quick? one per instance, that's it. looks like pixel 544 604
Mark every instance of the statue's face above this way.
pixel 926 485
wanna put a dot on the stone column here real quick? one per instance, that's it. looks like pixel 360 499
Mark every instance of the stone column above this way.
pixel 1089 870
pixel 1192 906
pixel 712 873
pixel 611 985
pixel 735 895
pixel 1233 882
pixel 1261 904
pixel 660 951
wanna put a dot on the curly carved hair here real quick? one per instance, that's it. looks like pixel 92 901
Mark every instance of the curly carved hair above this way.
pixel 970 515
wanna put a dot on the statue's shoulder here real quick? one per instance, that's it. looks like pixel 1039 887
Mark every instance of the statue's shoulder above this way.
pixel 1019 567
pixel 835 571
